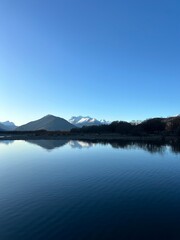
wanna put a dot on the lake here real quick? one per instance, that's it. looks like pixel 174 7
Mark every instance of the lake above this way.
pixel 88 190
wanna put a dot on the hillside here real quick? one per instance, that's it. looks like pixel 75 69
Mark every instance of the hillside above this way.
pixel 8 126
pixel 160 126
pixel 49 123
pixel 2 127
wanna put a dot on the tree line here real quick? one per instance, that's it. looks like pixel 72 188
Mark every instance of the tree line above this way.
pixel 159 126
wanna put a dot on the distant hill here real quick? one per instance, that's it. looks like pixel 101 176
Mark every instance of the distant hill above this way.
pixel 81 121
pixel 8 126
pixel 49 123
pixel 2 128
pixel 161 126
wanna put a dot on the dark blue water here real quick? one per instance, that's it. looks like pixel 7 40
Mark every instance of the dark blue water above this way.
pixel 77 190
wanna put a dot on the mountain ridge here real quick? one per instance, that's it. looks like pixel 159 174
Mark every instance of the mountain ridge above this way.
pixel 80 121
pixel 7 126
pixel 49 123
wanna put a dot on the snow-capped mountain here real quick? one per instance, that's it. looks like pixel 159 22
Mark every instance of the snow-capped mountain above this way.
pixel 8 126
pixel 86 121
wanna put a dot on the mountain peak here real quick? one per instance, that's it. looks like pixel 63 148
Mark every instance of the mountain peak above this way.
pixel 49 123
pixel 49 115
pixel 8 126
pixel 80 121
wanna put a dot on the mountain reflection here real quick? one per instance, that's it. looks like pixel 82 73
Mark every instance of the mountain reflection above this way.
pixel 151 147
pixel 7 142
pixel 52 144
pixel 80 144
pixel 49 144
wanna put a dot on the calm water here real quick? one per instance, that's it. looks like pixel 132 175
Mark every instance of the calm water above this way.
pixel 79 190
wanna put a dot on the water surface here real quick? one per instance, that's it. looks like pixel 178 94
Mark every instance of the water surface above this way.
pixel 82 190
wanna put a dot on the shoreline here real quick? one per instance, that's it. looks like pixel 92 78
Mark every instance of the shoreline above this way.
pixel 86 137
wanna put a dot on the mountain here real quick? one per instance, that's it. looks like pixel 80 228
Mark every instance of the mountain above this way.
pixel 81 121
pixel 49 123
pixel 2 127
pixel 8 126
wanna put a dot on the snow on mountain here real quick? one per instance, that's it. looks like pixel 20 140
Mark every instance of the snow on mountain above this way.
pixel 86 121
pixel 83 120
pixel 103 121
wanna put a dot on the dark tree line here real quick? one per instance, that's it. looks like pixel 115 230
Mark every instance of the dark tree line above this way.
pixel 159 126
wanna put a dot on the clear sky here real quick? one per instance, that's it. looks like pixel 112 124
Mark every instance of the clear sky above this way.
pixel 112 59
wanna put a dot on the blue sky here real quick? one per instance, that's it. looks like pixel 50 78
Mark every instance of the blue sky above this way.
pixel 112 59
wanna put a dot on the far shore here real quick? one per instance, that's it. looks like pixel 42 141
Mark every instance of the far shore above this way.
pixel 82 137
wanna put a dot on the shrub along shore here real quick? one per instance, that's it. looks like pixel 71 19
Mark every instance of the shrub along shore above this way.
pixel 151 129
